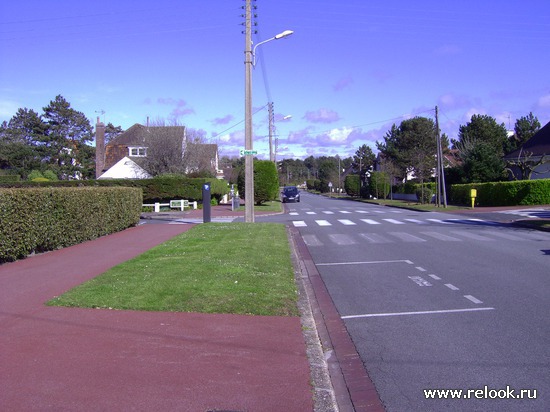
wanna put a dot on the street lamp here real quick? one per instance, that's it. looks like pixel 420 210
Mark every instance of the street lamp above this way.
pixel 249 62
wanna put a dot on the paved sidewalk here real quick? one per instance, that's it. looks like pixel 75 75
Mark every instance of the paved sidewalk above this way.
pixel 73 359
pixel 217 213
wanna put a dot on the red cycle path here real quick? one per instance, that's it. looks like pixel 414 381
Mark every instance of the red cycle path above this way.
pixel 98 360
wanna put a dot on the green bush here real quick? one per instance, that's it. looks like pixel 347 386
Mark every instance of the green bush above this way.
pixel 9 178
pixel 352 185
pixel 43 219
pixel 158 189
pixel 523 192
pixel 266 181
pixel 379 185
pixel 424 194
pixel 35 174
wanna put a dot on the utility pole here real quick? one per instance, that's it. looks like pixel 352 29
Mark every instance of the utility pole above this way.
pixel 271 129
pixel 441 190
pixel 248 143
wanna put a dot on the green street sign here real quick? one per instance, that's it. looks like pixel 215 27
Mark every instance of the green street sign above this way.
pixel 248 152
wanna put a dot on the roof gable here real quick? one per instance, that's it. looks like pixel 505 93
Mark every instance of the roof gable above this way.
pixel 538 145
pixel 138 134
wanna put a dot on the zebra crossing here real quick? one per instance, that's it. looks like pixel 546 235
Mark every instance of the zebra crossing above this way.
pixel 379 221
pixel 464 235
pixel 367 225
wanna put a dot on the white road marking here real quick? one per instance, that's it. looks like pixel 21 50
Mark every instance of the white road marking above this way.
pixel 441 236
pixel 451 286
pixel 420 268
pixel 418 222
pixel 345 211
pixel 435 277
pixel 375 238
pixel 362 211
pixel 440 221
pixel 323 223
pixel 346 222
pixel 342 240
pixel 471 235
pixel 427 312
pixel 299 223
pixel 328 212
pixel 395 222
pixel 293 214
pixel 419 280
pixel 312 240
pixel 311 213
pixel 472 299
pixel 406 237
pixel 370 221
pixel 372 262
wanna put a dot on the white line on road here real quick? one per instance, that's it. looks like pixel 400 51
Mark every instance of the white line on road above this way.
pixel 395 222
pixel 299 223
pixel 323 223
pixel 346 222
pixel 364 263
pixel 435 277
pixel 471 298
pixel 427 312
pixel 451 286
pixel 370 221
pixel 420 268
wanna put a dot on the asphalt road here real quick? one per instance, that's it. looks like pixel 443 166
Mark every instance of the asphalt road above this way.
pixel 436 301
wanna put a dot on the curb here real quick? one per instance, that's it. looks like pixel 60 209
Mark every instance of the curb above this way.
pixel 353 388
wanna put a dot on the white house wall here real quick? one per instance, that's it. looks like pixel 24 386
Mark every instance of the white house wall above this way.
pixel 125 168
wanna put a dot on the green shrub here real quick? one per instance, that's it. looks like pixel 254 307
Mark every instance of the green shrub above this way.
pixel 424 194
pixel 266 181
pixel 158 189
pixel 379 185
pixel 50 175
pixel 35 174
pixel 352 185
pixel 42 219
pixel 522 192
pixel 9 178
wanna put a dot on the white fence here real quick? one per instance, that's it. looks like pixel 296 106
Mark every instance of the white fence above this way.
pixel 174 204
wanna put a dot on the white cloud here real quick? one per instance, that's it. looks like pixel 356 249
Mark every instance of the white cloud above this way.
pixel 544 101
pixel 8 109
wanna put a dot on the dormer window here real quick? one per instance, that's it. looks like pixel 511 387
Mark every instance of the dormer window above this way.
pixel 136 151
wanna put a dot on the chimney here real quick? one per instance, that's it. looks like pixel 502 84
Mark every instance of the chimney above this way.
pixel 99 148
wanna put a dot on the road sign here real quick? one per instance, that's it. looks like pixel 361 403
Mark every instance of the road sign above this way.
pixel 244 152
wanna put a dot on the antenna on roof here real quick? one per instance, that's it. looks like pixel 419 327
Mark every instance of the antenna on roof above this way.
pixel 102 112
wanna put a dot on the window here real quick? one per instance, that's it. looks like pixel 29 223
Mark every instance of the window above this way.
pixel 137 151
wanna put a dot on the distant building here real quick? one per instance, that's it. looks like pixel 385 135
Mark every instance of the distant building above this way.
pixel 124 156
pixel 535 151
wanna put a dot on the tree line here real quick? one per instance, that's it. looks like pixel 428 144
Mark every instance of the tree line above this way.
pixel 408 153
pixel 56 144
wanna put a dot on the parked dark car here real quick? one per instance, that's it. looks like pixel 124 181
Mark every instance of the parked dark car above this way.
pixel 290 194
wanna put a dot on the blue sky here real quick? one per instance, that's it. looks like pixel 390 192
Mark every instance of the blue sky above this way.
pixel 351 69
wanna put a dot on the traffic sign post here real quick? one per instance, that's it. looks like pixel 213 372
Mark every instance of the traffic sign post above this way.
pixel 244 152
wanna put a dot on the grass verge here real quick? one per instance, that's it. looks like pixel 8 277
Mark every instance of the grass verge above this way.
pixel 238 268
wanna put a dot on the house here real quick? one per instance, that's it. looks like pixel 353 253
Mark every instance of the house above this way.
pixel 125 156
pixel 532 159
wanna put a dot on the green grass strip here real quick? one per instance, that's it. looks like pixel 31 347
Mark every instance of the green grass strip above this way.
pixel 239 268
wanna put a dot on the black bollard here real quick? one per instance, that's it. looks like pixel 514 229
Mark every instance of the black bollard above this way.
pixel 206 203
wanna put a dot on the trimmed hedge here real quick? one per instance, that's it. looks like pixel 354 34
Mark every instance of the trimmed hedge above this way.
pixel 43 219
pixel 522 192
pixel 158 189
pixel 9 178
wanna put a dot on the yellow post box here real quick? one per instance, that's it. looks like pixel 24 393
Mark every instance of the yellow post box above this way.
pixel 473 195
